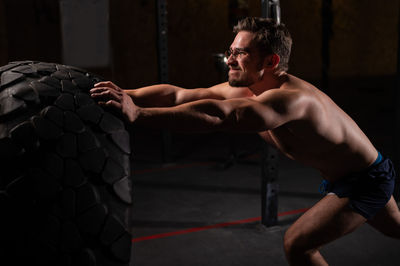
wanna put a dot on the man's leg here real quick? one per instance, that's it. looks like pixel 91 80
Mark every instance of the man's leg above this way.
pixel 326 221
pixel 387 220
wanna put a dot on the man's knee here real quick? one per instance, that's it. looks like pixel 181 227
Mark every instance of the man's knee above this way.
pixel 291 242
pixel 295 244
pixel 297 252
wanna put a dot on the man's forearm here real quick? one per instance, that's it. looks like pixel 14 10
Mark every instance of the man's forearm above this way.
pixel 162 95
pixel 165 95
pixel 199 116
pixel 204 116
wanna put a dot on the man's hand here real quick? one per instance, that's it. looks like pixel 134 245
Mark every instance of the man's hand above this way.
pixel 108 94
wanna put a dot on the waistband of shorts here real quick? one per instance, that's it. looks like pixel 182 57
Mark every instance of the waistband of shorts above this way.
pixel 325 184
pixel 378 160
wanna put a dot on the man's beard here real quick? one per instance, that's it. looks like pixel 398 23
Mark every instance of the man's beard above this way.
pixel 245 80
pixel 241 81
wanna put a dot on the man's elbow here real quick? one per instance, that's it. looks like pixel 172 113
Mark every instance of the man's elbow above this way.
pixel 248 119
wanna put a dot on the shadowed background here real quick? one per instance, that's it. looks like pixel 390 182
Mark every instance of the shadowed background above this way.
pixel 363 47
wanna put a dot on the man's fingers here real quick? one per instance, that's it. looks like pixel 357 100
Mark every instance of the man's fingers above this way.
pixel 106 94
pixel 110 103
pixel 99 89
pixel 108 84
pixel 104 84
pixel 115 104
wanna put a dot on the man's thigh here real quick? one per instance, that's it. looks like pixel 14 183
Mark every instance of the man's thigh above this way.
pixel 387 220
pixel 326 221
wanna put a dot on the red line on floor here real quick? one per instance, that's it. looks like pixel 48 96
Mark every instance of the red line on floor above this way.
pixel 196 229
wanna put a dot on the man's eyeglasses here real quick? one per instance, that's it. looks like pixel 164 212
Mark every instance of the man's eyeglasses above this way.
pixel 236 53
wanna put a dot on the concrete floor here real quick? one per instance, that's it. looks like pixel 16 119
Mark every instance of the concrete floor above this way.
pixel 195 191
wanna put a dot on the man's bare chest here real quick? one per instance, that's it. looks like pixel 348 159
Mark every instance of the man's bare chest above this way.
pixel 286 141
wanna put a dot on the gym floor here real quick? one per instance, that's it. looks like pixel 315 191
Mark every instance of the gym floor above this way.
pixel 205 208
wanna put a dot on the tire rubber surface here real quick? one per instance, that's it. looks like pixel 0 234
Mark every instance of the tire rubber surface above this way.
pixel 65 188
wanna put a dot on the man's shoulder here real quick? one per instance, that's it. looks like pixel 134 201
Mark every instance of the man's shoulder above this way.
pixel 297 84
pixel 293 96
pixel 295 89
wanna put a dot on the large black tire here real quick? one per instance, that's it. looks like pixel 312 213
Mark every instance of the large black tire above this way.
pixel 65 191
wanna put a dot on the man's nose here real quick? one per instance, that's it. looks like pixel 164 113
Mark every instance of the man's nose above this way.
pixel 231 60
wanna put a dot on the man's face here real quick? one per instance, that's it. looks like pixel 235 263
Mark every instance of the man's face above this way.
pixel 244 62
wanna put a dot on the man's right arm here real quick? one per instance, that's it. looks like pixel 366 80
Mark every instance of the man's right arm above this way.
pixel 165 95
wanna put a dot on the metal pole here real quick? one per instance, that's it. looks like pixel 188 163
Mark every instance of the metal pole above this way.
pixel 327 20
pixel 162 34
pixel 265 8
pixel 396 193
pixel 269 186
pixel 269 165
pixel 271 9
pixel 162 30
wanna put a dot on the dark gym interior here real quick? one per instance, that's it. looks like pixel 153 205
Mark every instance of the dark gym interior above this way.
pixel 197 197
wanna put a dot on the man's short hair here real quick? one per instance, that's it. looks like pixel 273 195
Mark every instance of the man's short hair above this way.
pixel 271 38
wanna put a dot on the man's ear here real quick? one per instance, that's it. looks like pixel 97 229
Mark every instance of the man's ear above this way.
pixel 271 61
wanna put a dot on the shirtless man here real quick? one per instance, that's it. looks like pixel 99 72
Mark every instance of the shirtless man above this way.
pixel 293 116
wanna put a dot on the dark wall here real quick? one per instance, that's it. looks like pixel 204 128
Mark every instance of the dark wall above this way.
pixel 365 38
pixel 3 36
pixel 197 29
pixel 364 64
pixel 133 41
pixel 32 30
pixel 364 41
pixel 303 19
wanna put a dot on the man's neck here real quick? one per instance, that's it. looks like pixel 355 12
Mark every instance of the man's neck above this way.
pixel 269 81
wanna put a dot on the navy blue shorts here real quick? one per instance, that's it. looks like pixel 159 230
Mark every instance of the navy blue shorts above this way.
pixel 368 190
